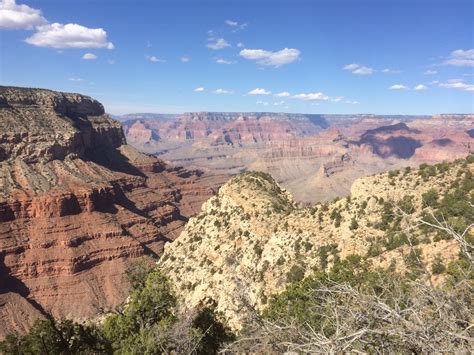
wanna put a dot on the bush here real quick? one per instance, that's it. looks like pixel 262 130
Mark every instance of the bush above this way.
pixel 295 274
pixel 438 267
pixel 430 198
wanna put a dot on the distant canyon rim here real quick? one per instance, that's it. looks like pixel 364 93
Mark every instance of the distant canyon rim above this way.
pixel 315 157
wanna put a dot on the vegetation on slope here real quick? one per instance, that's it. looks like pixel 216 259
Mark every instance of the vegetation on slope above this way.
pixel 149 323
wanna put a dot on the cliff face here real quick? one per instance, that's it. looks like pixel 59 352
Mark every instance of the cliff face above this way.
pixel 77 204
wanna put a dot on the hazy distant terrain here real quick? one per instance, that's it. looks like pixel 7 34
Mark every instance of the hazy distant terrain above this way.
pixel 316 157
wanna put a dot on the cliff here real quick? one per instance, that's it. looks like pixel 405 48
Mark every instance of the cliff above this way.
pixel 77 204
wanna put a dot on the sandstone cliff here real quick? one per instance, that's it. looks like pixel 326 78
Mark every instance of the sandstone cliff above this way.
pixel 76 205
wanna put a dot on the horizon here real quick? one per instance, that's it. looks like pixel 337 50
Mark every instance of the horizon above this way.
pixel 385 57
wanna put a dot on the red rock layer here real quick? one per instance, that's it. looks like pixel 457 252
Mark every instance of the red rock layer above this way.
pixel 77 205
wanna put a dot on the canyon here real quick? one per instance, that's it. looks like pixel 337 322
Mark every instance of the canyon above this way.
pixel 315 157
pixel 77 206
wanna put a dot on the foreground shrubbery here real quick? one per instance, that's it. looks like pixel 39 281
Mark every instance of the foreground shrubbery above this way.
pixel 147 324
pixel 352 308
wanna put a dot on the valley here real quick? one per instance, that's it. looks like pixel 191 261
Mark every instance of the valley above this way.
pixel 316 157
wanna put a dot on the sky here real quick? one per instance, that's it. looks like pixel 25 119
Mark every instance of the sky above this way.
pixel 328 56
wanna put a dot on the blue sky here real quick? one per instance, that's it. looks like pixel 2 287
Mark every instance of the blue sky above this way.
pixel 366 56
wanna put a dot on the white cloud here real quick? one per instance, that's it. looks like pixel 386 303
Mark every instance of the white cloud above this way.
pixel 319 96
pixel 14 17
pixel 279 103
pixel 283 94
pixel 231 23
pixel 260 102
pixel 240 45
pixel 154 59
pixel 199 89
pixel 337 99
pixel 222 92
pixel 351 67
pixel 259 91
pixel 398 87
pixel 391 71
pixel 352 102
pixel 75 79
pixel 461 58
pixel 219 43
pixel 71 35
pixel 184 59
pixel 420 87
pixel 457 84
pixel 235 25
pixel 224 61
pixel 89 56
pixel 358 69
pixel 276 59
pixel 430 72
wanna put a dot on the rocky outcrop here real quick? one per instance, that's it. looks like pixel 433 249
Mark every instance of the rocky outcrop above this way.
pixel 77 205
pixel 251 240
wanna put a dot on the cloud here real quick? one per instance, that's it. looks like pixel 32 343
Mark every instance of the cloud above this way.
pixel 259 91
pixel 337 99
pixel 89 56
pixel 235 25
pixel 224 61
pixel 260 102
pixel 351 67
pixel 420 87
pixel 219 43
pixel 352 102
pixel 279 103
pixel 75 79
pixel 154 59
pixel 184 59
pixel 199 89
pixel 222 92
pixel 276 59
pixel 457 84
pixel 111 61
pixel 398 87
pixel 314 96
pixel 391 71
pixel 71 35
pixel 461 58
pixel 15 17
pixel 430 72
pixel 231 23
pixel 283 94
pixel 240 45
pixel 358 69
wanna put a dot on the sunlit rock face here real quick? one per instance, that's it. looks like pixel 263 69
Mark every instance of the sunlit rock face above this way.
pixel 77 204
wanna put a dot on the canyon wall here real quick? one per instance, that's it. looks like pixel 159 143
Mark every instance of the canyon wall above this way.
pixel 77 205
pixel 303 152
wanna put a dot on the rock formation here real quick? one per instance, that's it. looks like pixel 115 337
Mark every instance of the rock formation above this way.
pixel 251 240
pixel 296 149
pixel 76 205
